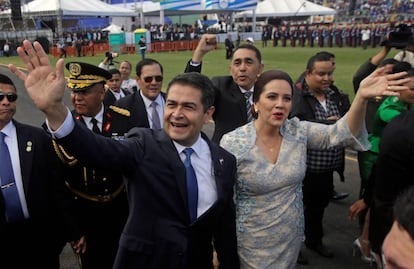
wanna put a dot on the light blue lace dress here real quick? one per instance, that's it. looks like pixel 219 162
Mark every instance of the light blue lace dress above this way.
pixel 268 196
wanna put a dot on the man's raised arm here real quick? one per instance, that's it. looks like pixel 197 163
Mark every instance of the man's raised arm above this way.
pixel 45 85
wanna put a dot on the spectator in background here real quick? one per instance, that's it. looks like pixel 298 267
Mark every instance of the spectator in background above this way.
pixel 228 43
pixel 142 47
pixel 6 49
pixel 315 100
pixel 113 90
pixel 61 46
pixel 366 35
pixel 149 99
pixel 128 83
pixel 238 40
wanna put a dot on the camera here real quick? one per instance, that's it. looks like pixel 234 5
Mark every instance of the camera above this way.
pixel 111 55
pixel 400 37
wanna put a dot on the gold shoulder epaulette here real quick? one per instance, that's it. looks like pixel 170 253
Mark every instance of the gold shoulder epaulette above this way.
pixel 121 111
pixel 63 155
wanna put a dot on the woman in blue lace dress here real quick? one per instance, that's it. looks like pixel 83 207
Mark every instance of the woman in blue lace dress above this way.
pixel 271 163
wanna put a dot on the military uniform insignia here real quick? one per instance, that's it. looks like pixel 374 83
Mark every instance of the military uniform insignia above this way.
pixel 121 111
pixel 65 157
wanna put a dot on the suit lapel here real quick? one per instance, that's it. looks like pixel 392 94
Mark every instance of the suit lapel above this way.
pixel 238 95
pixel 177 165
pixel 141 109
pixel 217 163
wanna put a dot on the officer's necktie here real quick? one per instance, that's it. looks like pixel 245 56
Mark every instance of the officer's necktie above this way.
pixel 248 106
pixel 14 211
pixel 95 127
pixel 155 117
pixel 192 187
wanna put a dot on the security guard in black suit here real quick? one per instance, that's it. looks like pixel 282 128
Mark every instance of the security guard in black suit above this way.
pixel 100 196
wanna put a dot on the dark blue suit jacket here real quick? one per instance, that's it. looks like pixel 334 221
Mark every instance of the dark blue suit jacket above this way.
pixel 158 232
pixel 136 106
pixel 229 102
pixel 39 239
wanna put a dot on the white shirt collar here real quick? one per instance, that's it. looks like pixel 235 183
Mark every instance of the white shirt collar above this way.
pixel 148 102
pixel 9 129
pixel 98 116
pixel 197 146
pixel 243 90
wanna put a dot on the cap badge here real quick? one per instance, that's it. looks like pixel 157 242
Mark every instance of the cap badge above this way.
pixel 75 69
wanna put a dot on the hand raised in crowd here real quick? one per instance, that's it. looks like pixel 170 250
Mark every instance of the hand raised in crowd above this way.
pixel 79 246
pixel 44 84
pixel 207 43
pixel 378 84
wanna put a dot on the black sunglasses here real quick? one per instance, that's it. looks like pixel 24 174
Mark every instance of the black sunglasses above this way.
pixel 11 97
pixel 157 79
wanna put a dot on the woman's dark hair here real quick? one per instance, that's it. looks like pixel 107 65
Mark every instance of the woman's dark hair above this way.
pixel 265 78
pixel 401 67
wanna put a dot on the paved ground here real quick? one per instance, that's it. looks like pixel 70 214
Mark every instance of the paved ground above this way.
pixel 340 232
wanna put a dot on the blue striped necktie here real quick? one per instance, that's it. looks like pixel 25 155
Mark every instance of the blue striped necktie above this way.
pixel 248 106
pixel 14 211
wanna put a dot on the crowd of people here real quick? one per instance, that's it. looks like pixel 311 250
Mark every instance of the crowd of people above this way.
pixel 328 35
pixel 133 181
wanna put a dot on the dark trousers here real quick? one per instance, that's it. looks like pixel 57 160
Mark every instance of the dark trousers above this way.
pixel 317 189
pixel 229 53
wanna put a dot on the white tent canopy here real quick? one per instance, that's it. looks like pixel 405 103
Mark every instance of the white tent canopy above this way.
pixel 113 28
pixel 74 8
pixel 286 8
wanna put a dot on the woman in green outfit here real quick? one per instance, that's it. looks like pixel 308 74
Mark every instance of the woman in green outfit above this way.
pixel 389 109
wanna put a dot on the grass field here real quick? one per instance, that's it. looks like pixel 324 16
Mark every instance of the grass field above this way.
pixel 291 60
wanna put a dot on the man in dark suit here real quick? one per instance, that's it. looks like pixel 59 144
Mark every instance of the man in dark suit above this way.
pixel 228 43
pixel 140 104
pixel 231 91
pixel 114 91
pixel 37 235
pixel 166 227
pixel 99 194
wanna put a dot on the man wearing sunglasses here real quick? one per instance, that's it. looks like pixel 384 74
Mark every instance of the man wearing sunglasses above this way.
pixel 147 104
pixel 33 201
